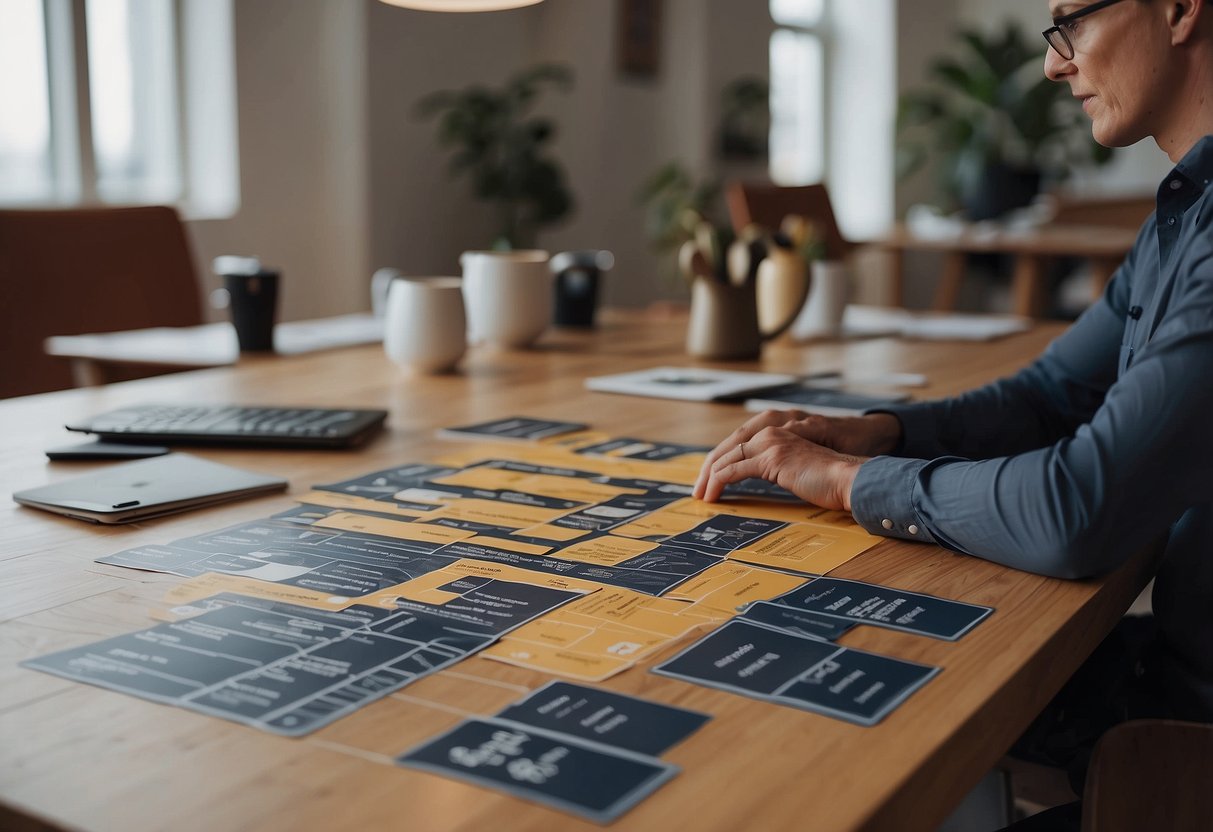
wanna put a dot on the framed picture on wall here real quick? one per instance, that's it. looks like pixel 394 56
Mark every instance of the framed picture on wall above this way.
pixel 638 38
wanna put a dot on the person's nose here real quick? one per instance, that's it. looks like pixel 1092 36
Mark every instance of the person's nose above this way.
pixel 1057 68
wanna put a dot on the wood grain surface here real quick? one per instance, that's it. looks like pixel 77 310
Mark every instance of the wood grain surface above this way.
pixel 76 756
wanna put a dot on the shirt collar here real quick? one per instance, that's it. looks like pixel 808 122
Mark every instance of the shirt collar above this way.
pixel 1197 163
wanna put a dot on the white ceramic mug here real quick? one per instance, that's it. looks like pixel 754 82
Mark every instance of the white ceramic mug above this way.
pixel 508 295
pixel 822 314
pixel 424 328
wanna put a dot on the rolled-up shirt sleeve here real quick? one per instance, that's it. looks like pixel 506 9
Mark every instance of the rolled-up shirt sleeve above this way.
pixel 1083 503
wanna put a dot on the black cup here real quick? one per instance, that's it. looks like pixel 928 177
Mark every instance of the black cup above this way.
pixel 576 288
pixel 253 300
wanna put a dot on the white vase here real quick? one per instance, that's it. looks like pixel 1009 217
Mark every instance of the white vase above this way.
pixel 821 316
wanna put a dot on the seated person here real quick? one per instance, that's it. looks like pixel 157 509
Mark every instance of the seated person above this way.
pixel 1104 444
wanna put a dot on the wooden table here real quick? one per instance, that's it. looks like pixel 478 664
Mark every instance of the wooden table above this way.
pixel 1104 246
pixel 82 757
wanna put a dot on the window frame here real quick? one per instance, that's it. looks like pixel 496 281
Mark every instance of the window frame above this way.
pixel 74 171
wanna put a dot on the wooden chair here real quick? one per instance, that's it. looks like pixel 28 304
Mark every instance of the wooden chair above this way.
pixel 68 272
pixel 766 205
pixel 1151 774
pixel 1114 212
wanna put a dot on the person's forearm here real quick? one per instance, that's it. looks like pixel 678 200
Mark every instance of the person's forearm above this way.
pixel 1034 408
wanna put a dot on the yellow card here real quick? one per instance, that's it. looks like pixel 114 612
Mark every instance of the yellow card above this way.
pixel 494 513
pixel 805 548
pixel 642 612
pixel 756 585
pixel 568 663
pixel 552 633
pixel 674 519
pixel 606 550
pixel 558 534
pixel 352 502
pixel 213 583
pixel 543 485
pixel 401 530
pixel 707 581
pixel 621 642
pixel 839 520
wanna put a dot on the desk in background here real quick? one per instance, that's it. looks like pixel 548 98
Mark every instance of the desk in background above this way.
pixel 1104 246
pixel 199 347
pixel 82 757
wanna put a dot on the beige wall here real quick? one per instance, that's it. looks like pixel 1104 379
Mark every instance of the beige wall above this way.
pixel 338 177
pixel 301 110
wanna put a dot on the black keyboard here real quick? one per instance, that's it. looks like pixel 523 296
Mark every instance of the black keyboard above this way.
pixel 202 424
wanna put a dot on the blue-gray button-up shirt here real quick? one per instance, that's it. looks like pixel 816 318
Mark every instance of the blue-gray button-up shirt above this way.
pixel 1100 447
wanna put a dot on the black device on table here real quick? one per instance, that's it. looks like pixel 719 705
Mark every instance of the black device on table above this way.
pixel 299 427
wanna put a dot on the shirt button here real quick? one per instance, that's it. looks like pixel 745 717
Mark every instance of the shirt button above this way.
pixel 887 523
pixel 912 529
pixel 1170 220
pixel 1176 184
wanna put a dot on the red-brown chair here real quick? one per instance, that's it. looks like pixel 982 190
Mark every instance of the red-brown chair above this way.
pixel 68 272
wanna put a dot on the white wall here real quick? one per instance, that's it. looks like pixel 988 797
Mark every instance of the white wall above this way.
pixel 420 219
pixel 301 106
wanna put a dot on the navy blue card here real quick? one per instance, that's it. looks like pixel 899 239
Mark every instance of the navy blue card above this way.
pixel 790 669
pixel 857 686
pixel 606 717
pixel 797 621
pixel 748 658
pixel 595 782
pixel 723 533
pixel 864 603
pixel 514 427
pixel 626 447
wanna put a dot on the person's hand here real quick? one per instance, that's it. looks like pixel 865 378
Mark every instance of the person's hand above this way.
pixel 814 473
pixel 872 435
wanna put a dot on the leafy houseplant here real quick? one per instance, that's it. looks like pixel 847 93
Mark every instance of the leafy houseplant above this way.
pixel 997 125
pixel 503 148
pixel 675 205
pixel 745 118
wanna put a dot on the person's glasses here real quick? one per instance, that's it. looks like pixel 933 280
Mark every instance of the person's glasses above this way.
pixel 1058 35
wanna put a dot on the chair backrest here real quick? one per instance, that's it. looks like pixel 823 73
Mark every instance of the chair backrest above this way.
pixel 1150 774
pixel 68 272
pixel 1118 212
pixel 766 205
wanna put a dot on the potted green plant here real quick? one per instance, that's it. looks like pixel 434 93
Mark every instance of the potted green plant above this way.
pixel 676 205
pixel 995 126
pixel 745 118
pixel 504 148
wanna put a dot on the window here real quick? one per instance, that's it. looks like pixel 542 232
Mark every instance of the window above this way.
pixel 798 92
pixel 118 102
pixel 25 122
pixel 834 102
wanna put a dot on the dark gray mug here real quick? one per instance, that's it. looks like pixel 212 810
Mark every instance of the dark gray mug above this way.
pixel 252 300
pixel 577 277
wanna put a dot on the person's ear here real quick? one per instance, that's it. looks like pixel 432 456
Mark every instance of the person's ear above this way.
pixel 1183 17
